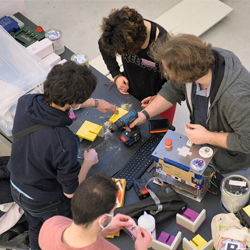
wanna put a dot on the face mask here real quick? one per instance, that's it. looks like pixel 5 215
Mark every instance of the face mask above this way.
pixel 102 226
pixel 72 109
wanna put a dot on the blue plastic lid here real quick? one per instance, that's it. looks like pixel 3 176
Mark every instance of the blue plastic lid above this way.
pixel 80 59
pixel 53 34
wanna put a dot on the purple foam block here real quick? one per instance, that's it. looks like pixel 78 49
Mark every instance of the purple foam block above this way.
pixel 190 214
pixel 166 238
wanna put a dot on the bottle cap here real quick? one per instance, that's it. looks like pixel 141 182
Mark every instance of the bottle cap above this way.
pixel 53 34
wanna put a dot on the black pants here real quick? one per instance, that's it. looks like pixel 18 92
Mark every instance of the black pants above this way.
pixel 37 212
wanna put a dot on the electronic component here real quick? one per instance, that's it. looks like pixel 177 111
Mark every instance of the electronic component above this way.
pixel 27 35
pixel 183 166
pixel 140 188
pixel 139 162
pixel 11 24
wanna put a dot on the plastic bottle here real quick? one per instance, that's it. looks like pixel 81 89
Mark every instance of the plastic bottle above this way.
pixel 147 222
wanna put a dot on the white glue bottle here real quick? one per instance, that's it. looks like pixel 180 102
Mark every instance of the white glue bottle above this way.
pixel 147 222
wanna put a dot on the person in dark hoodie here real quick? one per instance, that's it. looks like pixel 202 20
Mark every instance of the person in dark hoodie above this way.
pixel 216 87
pixel 43 165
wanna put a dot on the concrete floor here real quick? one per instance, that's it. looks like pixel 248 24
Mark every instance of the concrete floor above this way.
pixel 80 20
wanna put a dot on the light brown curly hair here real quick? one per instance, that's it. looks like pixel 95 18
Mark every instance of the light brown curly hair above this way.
pixel 186 57
pixel 124 32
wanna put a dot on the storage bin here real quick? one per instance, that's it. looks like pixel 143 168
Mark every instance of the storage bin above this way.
pixel 20 72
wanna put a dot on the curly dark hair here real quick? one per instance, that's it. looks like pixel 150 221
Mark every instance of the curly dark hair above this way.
pixel 186 57
pixel 69 83
pixel 124 32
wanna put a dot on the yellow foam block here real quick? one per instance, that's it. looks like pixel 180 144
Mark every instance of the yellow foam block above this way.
pixel 198 242
pixel 89 130
pixel 247 210
pixel 115 117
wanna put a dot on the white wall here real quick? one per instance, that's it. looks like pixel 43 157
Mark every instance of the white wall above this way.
pixel 11 7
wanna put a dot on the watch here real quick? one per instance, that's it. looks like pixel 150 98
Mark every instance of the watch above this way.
pixel 145 113
pixel 96 103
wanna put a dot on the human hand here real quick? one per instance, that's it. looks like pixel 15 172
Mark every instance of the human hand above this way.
pixel 119 221
pixel 140 120
pixel 143 239
pixel 197 134
pixel 122 85
pixel 104 106
pixel 90 157
pixel 146 101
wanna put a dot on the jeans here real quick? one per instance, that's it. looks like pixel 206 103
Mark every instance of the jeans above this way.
pixel 37 212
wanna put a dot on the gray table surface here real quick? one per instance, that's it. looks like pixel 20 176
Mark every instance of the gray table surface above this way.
pixel 113 155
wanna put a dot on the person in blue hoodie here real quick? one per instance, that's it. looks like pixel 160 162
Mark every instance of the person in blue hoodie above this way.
pixel 43 165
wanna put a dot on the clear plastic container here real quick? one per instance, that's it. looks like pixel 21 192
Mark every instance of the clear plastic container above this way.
pixel 235 191
pixel 55 36
pixel 80 58
pixel 147 221
pixel 20 72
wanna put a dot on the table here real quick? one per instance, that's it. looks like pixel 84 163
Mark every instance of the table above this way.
pixel 113 155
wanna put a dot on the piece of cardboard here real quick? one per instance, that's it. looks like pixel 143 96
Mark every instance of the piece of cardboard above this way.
pixel 121 184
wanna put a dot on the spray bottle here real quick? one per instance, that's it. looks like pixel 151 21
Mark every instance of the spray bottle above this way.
pixel 147 222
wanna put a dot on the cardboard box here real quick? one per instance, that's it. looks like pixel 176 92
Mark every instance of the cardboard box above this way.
pixel 121 184
pixel 41 48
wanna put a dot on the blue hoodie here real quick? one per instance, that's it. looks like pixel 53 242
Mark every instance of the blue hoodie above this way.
pixel 44 163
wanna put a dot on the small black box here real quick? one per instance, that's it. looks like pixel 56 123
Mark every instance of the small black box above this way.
pixel 159 125
pixel 140 188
